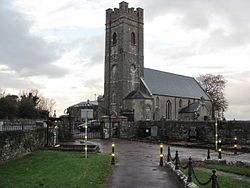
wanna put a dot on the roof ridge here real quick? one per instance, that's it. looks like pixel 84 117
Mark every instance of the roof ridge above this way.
pixel 170 73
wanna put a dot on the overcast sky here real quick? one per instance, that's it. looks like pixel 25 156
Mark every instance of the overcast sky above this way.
pixel 57 46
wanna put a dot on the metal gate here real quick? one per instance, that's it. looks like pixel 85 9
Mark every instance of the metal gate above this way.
pixel 94 131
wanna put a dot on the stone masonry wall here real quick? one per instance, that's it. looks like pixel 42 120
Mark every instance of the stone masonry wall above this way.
pixel 14 143
pixel 204 131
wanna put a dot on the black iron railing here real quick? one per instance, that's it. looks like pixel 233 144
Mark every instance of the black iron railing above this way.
pixel 191 172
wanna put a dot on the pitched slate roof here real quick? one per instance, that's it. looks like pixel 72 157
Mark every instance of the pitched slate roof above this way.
pixel 137 94
pixel 194 107
pixel 169 84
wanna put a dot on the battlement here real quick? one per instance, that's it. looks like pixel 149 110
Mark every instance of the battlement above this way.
pixel 124 10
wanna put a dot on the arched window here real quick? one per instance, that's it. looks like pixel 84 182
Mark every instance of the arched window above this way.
pixel 114 39
pixel 113 98
pixel 180 103
pixel 133 38
pixel 148 110
pixel 113 71
pixel 157 103
pixel 168 110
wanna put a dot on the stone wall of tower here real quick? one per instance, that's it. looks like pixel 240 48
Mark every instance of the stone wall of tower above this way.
pixel 124 61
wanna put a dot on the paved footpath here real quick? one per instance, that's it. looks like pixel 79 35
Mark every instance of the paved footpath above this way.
pixel 137 166
pixel 137 163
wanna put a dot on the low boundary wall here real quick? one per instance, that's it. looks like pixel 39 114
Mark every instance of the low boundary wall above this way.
pixel 201 131
pixel 15 143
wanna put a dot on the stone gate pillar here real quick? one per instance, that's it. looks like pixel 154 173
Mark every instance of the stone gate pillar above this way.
pixel 124 128
pixel 105 122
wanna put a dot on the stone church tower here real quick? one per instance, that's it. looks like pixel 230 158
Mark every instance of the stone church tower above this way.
pixel 124 64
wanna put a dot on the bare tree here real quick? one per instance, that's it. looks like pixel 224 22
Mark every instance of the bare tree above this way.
pixel 214 85
pixel 46 104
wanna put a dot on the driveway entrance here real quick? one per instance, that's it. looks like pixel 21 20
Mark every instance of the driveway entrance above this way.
pixel 137 166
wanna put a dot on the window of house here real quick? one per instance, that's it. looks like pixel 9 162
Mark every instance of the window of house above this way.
pixel 114 39
pixel 168 110
pixel 157 114
pixel 180 103
pixel 133 38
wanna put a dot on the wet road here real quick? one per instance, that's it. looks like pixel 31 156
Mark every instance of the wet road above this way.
pixel 137 166
pixel 137 163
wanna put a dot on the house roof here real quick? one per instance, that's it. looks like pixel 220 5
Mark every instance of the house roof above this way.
pixel 169 84
pixel 194 107
pixel 85 103
pixel 137 94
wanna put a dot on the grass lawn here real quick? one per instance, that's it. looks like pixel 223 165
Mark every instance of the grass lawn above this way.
pixel 230 168
pixel 224 182
pixel 56 169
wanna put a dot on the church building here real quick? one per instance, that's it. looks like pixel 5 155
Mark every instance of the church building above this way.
pixel 145 93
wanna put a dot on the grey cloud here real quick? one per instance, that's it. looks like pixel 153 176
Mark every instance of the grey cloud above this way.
pixel 208 67
pixel 242 77
pixel 175 53
pixel 231 17
pixel 93 83
pixel 238 112
pixel 195 20
pixel 200 10
pixel 91 49
pixel 219 39
pixel 94 48
pixel 14 81
pixel 66 6
pixel 238 93
pixel 23 52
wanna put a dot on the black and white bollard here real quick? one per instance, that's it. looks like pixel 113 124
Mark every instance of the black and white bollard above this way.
pixel 161 154
pixel 189 170
pixel 113 154
pixel 219 149
pixel 235 145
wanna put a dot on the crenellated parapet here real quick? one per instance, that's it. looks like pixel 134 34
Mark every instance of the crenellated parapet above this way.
pixel 124 11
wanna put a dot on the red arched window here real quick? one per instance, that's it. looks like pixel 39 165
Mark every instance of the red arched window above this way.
pixel 114 38
pixel 133 38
